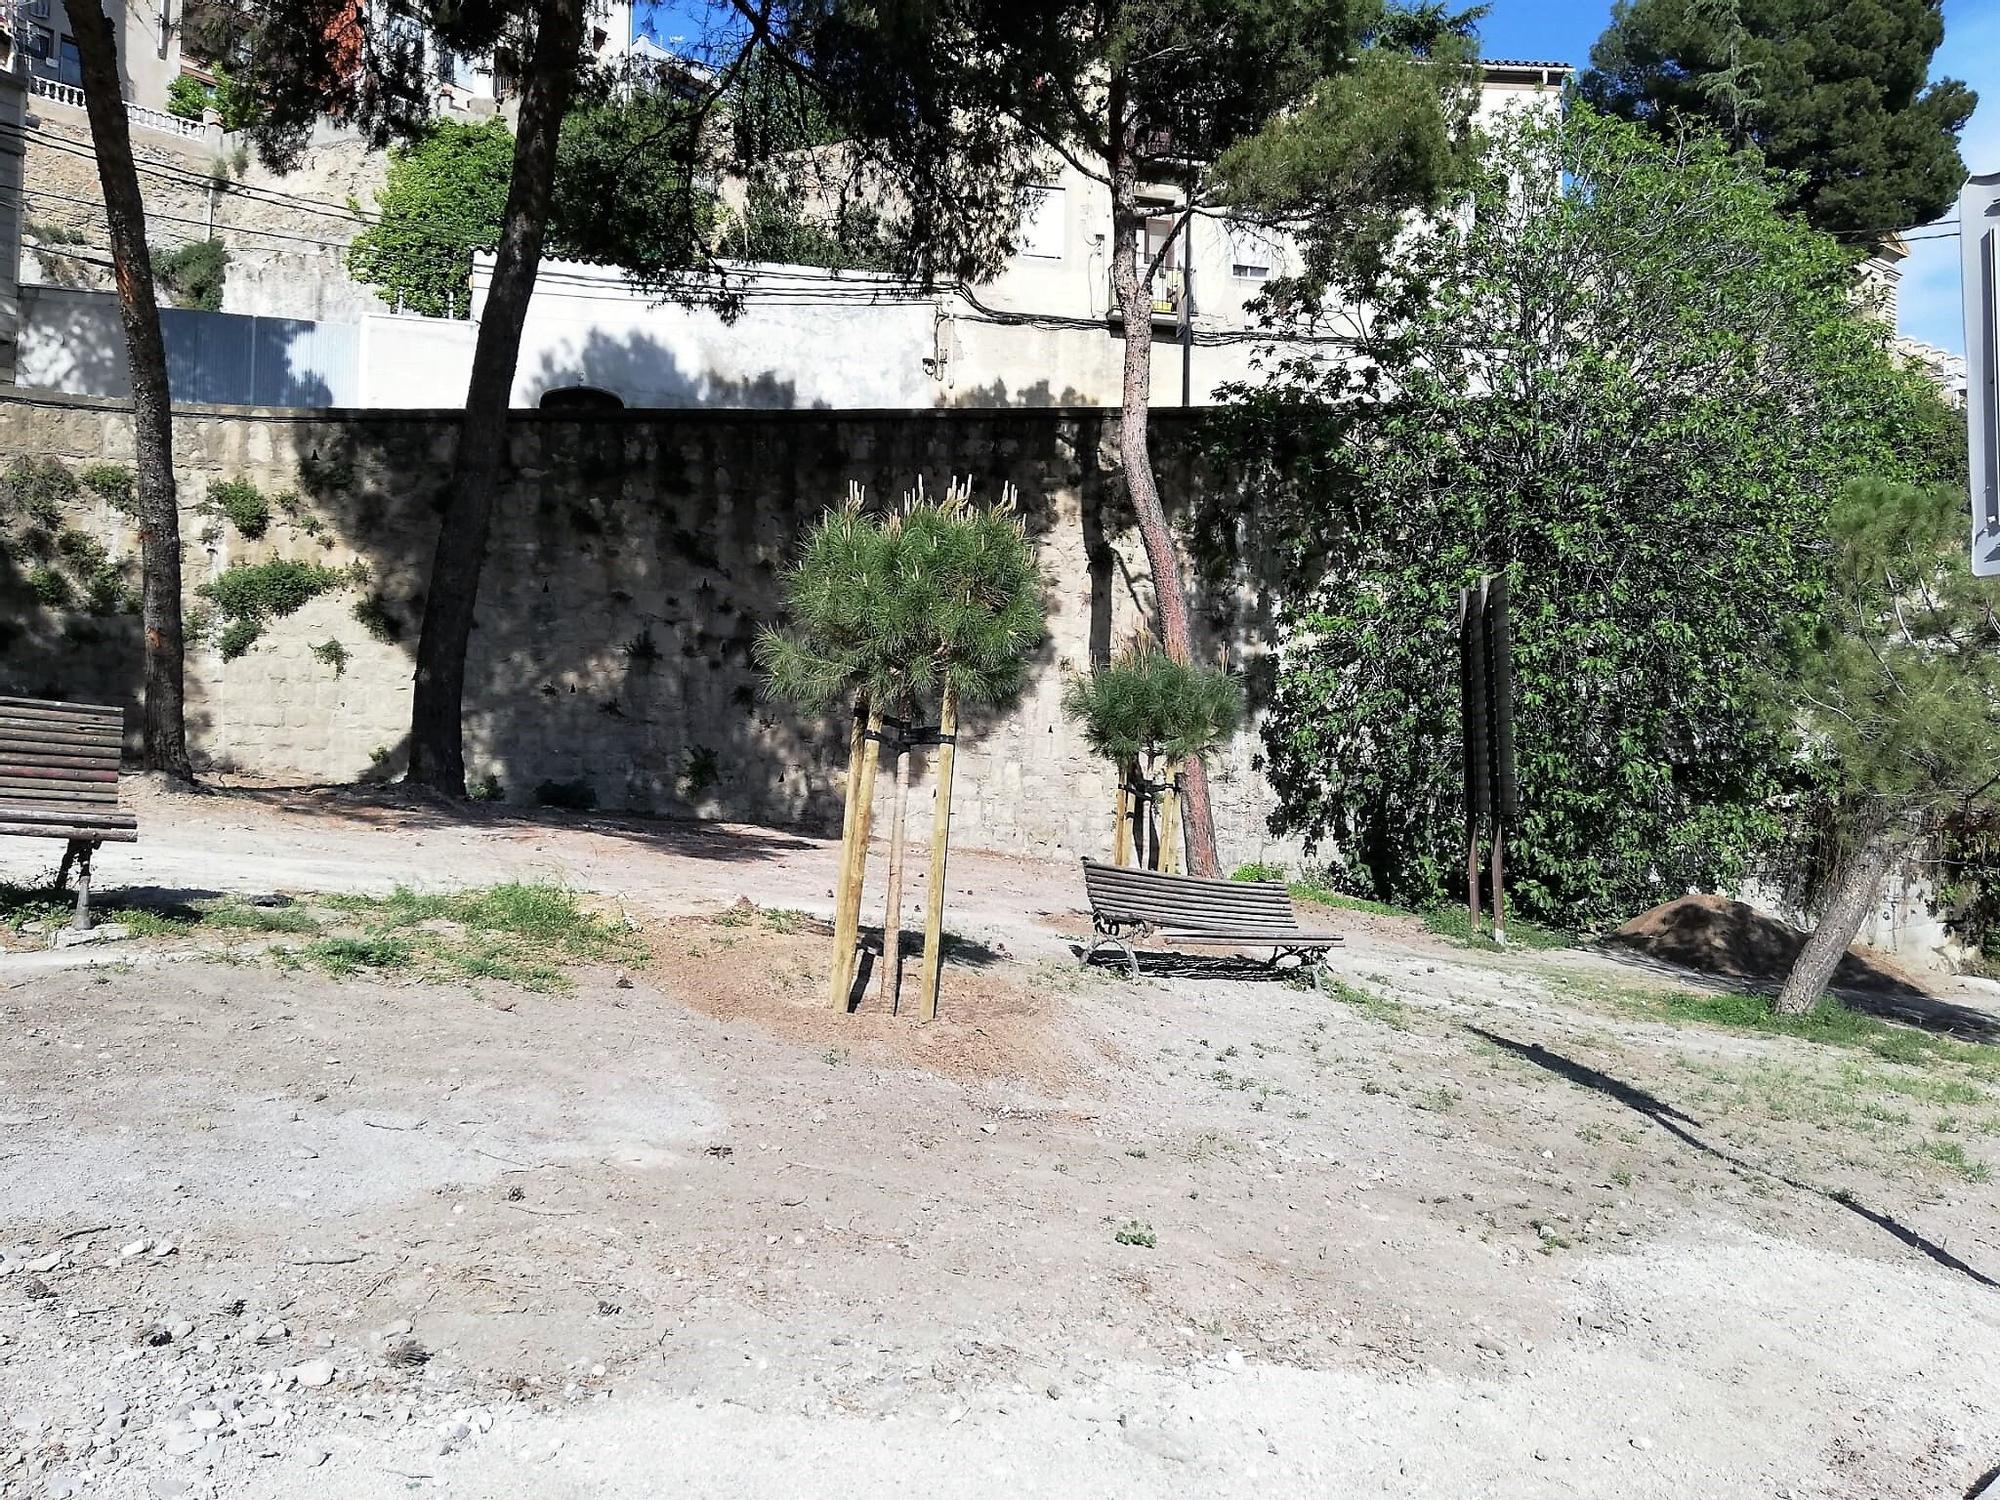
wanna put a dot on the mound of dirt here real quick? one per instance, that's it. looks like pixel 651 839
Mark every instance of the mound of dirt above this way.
pixel 1728 938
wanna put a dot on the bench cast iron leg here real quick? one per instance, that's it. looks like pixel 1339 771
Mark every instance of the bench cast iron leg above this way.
pixel 80 852
pixel 1108 940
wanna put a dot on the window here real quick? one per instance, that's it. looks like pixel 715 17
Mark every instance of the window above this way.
pixel 1251 253
pixel 41 42
pixel 69 64
pixel 39 9
pixel 1043 222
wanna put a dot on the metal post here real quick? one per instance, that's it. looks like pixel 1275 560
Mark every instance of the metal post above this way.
pixel 81 921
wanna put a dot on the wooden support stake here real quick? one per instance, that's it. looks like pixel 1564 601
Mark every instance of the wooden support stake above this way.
pixel 1121 838
pixel 940 849
pixel 841 970
pixel 1499 892
pixel 856 873
pixel 1472 879
pixel 1172 860
pixel 890 989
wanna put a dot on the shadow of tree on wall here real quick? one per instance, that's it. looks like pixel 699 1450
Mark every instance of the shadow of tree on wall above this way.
pixel 69 580
pixel 645 373
pixel 634 557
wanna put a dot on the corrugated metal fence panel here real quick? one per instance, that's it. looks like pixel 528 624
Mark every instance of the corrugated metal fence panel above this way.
pixel 238 360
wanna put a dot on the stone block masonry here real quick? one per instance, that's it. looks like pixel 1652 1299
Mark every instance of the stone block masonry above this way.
pixel 634 557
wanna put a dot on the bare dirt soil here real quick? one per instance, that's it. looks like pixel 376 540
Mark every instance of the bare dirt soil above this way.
pixel 1461 1223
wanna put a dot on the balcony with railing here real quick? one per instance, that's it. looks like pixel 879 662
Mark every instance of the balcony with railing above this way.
pixel 144 116
pixel 1169 293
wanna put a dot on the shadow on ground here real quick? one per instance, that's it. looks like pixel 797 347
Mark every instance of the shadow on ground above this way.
pixel 1683 1127
pixel 1156 963
pixel 691 838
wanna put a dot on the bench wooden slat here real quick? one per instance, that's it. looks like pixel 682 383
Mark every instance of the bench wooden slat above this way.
pixel 60 713
pixel 107 818
pixel 34 775
pixel 82 834
pixel 57 756
pixel 64 734
pixel 1254 939
pixel 107 756
pixel 44 791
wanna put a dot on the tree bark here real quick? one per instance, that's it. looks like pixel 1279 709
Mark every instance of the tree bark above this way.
pixel 1861 875
pixel 165 730
pixel 1135 301
pixel 437 731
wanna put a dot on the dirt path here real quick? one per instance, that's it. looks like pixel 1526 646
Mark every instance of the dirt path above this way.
pixel 1470 1229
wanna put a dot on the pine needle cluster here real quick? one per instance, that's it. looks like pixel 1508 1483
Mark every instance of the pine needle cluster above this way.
pixel 942 592
pixel 1146 702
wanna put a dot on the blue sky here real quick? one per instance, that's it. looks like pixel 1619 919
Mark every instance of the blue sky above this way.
pixel 1562 31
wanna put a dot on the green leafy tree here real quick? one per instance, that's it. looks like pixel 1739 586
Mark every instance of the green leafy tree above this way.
pixel 1833 93
pixel 1330 115
pixel 1627 378
pixel 194 273
pixel 443 199
pixel 1896 686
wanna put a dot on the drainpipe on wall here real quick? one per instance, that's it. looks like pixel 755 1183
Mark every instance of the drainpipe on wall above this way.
pixel 13 122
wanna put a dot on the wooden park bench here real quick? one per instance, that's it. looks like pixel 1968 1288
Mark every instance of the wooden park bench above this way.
pixel 59 780
pixel 1184 911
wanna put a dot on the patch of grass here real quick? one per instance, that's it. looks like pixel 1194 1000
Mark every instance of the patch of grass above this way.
pixel 345 956
pixel 519 933
pixel 247 918
pixel 1829 1023
pixel 1951 1156
pixel 1132 1232
pixel 1455 923
pixel 1379 1007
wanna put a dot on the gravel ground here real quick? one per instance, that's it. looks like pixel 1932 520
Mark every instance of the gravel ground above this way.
pixel 1469 1226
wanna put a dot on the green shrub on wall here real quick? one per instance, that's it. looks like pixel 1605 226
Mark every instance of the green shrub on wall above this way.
pixel 70 569
pixel 251 595
pixel 243 505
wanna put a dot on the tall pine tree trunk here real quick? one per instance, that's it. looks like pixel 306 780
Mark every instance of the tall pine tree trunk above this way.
pixel 152 413
pixel 1135 301
pixel 1877 848
pixel 437 737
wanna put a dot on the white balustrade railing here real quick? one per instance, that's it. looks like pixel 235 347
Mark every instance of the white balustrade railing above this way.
pixel 139 114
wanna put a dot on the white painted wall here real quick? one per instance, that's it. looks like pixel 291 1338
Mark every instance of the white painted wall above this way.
pixel 805 339
pixel 409 361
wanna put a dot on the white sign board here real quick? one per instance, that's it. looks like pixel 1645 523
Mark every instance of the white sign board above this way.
pixel 1979 242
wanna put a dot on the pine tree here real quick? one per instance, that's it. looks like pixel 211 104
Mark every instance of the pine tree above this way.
pixel 165 732
pixel 929 609
pixel 1898 691
pixel 1832 91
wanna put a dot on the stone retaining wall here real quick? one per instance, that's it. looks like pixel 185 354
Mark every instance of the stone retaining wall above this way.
pixel 634 557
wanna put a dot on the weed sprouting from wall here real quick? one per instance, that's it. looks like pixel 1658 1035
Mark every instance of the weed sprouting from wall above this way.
pixel 243 505
pixel 334 655
pixel 251 595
